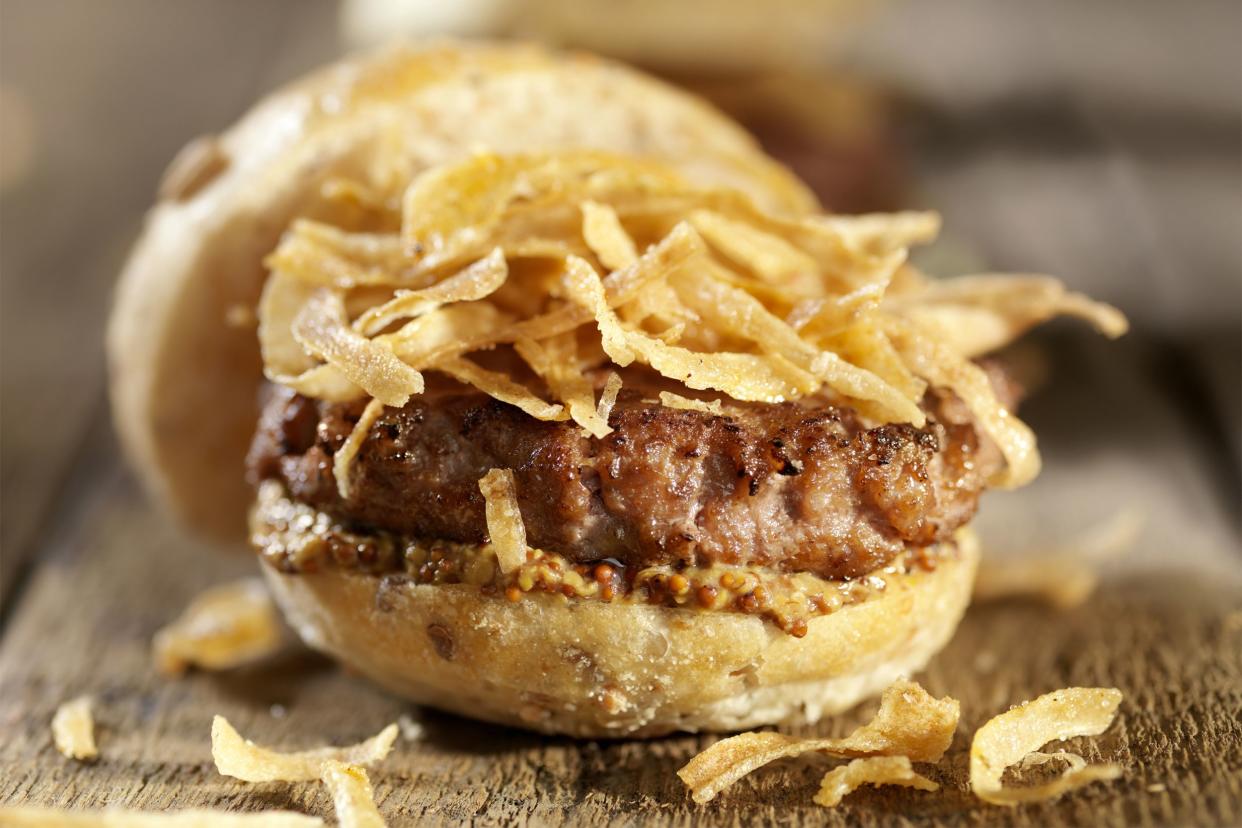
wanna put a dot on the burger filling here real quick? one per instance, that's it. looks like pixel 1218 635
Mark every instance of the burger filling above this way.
pixel 800 411
pixel 782 510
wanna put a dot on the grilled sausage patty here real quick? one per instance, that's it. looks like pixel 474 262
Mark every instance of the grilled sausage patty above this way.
pixel 788 486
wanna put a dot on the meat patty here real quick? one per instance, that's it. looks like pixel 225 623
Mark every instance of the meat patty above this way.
pixel 788 486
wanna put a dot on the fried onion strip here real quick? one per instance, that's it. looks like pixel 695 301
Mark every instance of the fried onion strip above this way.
pixel 477 281
pixel 1012 736
pixel 504 519
pixel 244 760
pixel 742 376
pixel 501 387
pixel 740 313
pixel 346 453
pixel 320 327
pixel 555 361
pixel 608 397
pixel 910 723
pixel 605 236
pixel 670 400
pixel 840 782
pixel 352 796
pixel 941 366
pixel 73 729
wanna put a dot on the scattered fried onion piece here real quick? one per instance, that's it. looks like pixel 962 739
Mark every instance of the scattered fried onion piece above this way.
pixel 670 400
pixel 36 817
pixel 346 453
pixel 223 627
pixel 1009 738
pixel 321 328
pixel 910 723
pixel 872 770
pixel 73 729
pixel 504 519
pixel 352 796
pixel 1063 583
pixel 243 759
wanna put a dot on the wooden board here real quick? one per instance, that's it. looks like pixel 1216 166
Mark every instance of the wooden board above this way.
pixel 1127 187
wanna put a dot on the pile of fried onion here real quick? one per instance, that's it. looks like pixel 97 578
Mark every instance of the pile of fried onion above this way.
pixel 578 261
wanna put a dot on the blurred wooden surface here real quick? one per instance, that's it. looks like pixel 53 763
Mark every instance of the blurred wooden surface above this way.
pixel 1100 144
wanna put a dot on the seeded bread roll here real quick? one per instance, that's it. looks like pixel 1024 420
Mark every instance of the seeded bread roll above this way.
pixel 592 669
pixel 182 350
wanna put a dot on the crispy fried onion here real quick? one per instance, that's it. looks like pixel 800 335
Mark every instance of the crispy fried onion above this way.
pixel 349 450
pixel 608 398
pixel 910 723
pixel 504 520
pixel 840 782
pixel 555 360
pixel 243 759
pixel 978 314
pixel 73 729
pixel 352 796
pixel 940 365
pixel 1017 735
pixel 224 627
pixel 670 400
pixel 580 261
pixel 323 331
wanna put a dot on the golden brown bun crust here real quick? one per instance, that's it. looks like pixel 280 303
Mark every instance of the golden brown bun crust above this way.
pixel 590 669
pixel 184 381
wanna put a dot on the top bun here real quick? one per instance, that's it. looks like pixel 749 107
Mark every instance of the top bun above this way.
pixel 183 355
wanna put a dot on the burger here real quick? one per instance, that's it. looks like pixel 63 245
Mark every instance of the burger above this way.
pixel 546 398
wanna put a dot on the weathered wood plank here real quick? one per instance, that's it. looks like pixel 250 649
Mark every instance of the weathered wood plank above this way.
pixel 104 94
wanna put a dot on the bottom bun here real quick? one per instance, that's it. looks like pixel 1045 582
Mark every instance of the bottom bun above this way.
pixel 593 669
